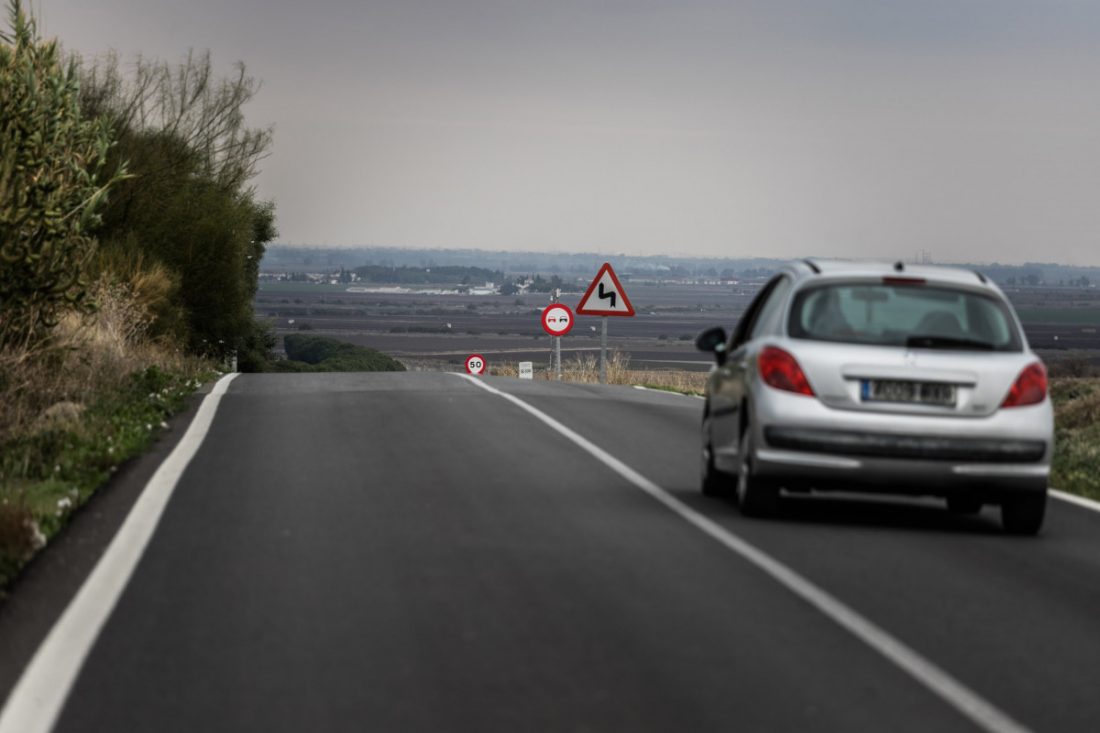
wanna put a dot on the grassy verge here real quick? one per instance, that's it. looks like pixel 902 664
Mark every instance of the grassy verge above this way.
pixel 75 407
pixel 1076 466
pixel 586 369
pixel 52 468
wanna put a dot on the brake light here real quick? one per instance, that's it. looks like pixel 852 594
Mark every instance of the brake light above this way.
pixel 1030 387
pixel 780 370
pixel 893 280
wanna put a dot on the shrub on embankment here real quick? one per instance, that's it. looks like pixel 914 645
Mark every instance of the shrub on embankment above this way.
pixel 188 208
pixel 101 342
pixel 1076 466
pixel 323 354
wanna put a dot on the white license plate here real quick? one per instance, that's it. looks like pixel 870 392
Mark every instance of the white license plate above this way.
pixel 920 393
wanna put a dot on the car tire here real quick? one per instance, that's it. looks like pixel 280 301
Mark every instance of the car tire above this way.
pixel 711 481
pixel 963 505
pixel 757 496
pixel 1023 514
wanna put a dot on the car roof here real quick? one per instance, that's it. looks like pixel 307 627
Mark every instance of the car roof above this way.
pixel 812 267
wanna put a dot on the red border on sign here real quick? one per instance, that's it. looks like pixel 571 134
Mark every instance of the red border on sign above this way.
pixel 547 328
pixel 484 364
pixel 618 286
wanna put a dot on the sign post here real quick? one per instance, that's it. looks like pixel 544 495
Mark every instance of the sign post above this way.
pixel 605 297
pixel 603 350
pixel 557 320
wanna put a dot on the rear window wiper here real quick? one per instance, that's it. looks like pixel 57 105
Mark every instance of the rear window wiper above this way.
pixel 946 342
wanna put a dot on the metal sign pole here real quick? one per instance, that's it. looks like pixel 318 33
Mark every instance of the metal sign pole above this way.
pixel 557 354
pixel 603 350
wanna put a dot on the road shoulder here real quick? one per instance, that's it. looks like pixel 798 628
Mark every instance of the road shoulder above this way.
pixel 49 582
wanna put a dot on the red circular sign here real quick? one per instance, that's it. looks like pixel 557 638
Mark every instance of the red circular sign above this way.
pixel 475 364
pixel 557 319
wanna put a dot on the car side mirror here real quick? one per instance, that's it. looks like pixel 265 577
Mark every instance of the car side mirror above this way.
pixel 714 341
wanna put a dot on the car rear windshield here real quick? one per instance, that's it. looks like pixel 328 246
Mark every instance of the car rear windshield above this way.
pixel 903 314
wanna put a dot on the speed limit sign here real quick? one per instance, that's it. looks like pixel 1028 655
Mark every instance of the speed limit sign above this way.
pixel 475 364
pixel 557 319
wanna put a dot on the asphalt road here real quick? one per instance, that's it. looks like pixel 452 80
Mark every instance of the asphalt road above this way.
pixel 410 552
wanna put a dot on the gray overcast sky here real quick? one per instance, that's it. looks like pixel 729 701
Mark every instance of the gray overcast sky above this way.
pixel 970 128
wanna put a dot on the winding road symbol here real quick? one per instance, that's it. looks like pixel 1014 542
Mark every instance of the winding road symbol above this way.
pixel 608 295
pixel 605 296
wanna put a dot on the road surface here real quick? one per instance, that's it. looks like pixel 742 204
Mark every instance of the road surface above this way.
pixel 412 552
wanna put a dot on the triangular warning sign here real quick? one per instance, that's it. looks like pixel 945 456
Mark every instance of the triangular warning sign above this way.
pixel 605 296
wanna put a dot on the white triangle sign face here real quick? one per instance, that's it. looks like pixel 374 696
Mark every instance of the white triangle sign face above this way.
pixel 605 296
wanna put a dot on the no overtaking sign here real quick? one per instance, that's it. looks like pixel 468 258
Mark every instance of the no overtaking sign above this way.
pixel 557 319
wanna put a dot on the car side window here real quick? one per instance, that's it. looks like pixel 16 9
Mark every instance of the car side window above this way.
pixel 765 319
pixel 748 319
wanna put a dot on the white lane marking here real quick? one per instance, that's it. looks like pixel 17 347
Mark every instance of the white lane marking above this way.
pixel 666 391
pixel 1074 499
pixel 38 697
pixel 980 712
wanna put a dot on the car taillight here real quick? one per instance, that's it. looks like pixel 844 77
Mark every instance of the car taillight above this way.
pixel 1030 387
pixel 780 370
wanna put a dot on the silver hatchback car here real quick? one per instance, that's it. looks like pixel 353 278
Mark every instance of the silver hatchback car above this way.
pixel 884 378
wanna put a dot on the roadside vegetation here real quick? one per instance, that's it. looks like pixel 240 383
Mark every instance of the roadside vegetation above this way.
pixel 129 246
pixel 323 354
pixel 1076 466
pixel 586 369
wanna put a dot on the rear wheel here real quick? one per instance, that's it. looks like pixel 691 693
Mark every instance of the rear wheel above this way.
pixel 711 481
pixel 963 505
pixel 1023 514
pixel 757 496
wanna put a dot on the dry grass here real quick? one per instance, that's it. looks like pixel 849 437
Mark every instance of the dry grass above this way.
pixel 586 369
pixel 74 407
pixel 86 355
pixel 1077 423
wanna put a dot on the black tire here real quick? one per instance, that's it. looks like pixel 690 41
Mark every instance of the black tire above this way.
pixel 756 495
pixel 963 505
pixel 711 481
pixel 1023 514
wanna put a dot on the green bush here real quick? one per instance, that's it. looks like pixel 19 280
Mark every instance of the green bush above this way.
pixel 322 354
pixel 189 206
pixel 51 185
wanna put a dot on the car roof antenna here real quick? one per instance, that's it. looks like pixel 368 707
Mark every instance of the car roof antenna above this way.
pixel 899 266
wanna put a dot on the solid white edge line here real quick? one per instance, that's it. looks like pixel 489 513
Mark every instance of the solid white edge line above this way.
pixel 1074 499
pixel 982 713
pixel 666 391
pixel 37 699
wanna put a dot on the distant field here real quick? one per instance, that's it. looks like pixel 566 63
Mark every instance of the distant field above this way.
pixel 434 329
pixel 287 287
pixel 1084 316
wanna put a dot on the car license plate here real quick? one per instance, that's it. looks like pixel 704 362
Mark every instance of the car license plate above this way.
pixel 920 393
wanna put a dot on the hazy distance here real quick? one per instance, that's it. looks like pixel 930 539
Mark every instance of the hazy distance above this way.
pixel 970 128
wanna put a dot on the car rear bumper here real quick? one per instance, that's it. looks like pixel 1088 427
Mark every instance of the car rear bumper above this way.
pixel 893 445
pixel 805 444
pixel 799 469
